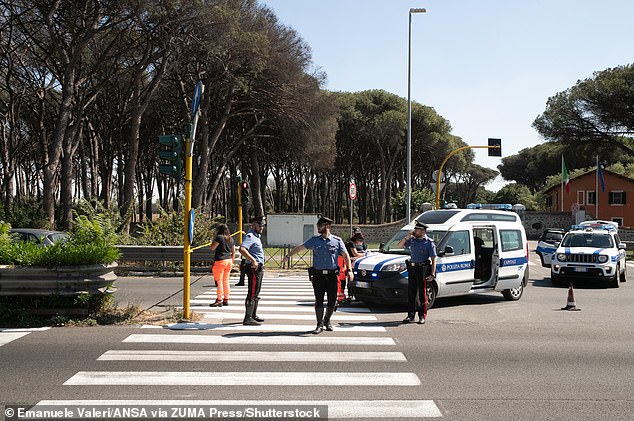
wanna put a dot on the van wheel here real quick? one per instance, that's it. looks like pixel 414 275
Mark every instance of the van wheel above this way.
pixel 514 294
pixel 623 276
pixel 432 291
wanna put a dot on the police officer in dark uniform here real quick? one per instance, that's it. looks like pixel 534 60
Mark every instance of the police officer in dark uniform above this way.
pixel 421 268
pixel 253 252
pixel 326 249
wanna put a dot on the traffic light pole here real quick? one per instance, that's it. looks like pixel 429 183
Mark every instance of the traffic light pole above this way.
pixel 186 222
pixel 445 161
pixel 240 212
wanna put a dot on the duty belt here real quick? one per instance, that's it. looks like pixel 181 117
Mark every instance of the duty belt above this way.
pixel 326 271
pixel 419 264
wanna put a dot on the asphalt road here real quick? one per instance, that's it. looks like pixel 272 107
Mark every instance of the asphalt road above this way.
pixel 477 358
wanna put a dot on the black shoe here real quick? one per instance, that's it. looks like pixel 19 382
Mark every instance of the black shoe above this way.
pixel 217 303
pixel 421 320
pixel 239 284
pixel 250 322
pixel 328 327
pixel 258 319
pixel 408 319
pixel 318 329
pixel 225 303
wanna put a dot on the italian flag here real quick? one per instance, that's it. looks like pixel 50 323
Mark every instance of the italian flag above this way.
pixel 565 179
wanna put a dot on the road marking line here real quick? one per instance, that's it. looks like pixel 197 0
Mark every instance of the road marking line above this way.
pixel 20 329
pixel 261 340
pixel 377 409
pixel 6 337
pixel 241 378
pixel 167 355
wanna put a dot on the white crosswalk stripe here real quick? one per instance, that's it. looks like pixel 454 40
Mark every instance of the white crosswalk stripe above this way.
pixel 266 327
pixel 286 304
pixel 165 355
pixel 241 378
pixel 262 340
pixel 9 335
pixel 195 306
pixel 363 408
pixel 284 316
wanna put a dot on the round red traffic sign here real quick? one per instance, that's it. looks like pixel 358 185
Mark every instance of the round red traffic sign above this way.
pixel 352 191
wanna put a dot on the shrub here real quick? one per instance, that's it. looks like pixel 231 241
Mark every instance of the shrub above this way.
pixel 167 230
pixel 90 242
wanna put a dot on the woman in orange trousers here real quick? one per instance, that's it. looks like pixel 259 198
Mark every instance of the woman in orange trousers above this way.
pixel 224 252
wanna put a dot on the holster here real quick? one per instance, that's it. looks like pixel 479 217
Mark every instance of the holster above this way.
pixel 311 272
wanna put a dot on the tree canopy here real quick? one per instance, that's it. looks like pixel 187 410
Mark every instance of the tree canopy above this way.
pixel 596 111
pixel 87 86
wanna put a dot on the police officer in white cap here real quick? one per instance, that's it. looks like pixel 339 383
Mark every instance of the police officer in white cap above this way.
pixel 252 250
pixel 421 268
pixel 326 249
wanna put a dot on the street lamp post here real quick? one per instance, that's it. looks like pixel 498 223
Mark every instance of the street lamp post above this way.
pixel 409 117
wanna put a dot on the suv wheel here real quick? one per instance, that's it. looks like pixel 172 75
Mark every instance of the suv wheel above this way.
pixel 614 281
pixel 554 280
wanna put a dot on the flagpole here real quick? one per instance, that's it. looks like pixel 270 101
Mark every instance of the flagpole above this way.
pixel 597 186
pixel 562 183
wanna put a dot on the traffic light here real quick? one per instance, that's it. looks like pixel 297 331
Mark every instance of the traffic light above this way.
pixel 244 192
pixel 496 151
pixel 171 154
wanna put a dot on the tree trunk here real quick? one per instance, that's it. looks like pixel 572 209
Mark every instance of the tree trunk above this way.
pixel 258 208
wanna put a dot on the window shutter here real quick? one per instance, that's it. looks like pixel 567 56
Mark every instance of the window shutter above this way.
pixel 610 197
pixel 623 197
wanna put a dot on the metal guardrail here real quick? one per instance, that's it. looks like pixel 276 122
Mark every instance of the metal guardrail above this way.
pixel 162 253
pixel 272 256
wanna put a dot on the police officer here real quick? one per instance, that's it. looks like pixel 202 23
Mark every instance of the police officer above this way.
pixel 253 252
pixel 421 269
pixel 326 249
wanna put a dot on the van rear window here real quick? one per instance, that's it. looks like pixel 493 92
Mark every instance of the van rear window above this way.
pixel 436 217
pixel 490 217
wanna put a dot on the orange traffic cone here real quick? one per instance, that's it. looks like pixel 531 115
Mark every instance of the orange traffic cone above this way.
pixel 570 304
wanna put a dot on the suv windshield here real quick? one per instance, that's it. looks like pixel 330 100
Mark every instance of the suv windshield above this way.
pixel 588 239
pixel 391 246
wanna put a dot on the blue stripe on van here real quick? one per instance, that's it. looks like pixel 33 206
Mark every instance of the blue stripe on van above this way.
pixel 452 267
pixel 514 261
pixel 359 260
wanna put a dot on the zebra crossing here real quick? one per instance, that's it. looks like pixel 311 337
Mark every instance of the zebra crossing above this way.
pixel 286 306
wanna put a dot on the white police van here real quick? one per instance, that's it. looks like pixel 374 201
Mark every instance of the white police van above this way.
pixel 590 251
pixel 478 250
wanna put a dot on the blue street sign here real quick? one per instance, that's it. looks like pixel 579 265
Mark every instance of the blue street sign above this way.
pixel 191 226
pixel 196 99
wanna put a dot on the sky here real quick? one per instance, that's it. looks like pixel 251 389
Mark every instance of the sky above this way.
pixel 487 66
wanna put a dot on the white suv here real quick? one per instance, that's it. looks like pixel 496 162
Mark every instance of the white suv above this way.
pixel 593 253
